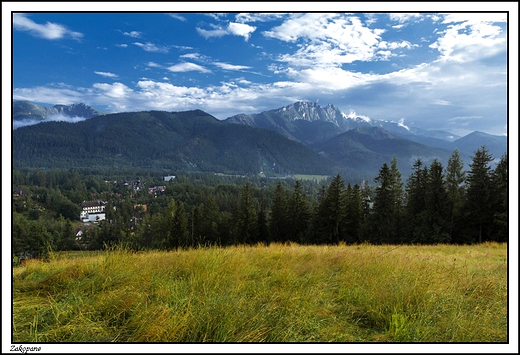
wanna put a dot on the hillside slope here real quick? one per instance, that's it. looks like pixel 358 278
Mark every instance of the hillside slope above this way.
pixel 191 140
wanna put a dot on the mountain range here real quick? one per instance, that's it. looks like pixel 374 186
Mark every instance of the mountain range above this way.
pixel 26 113
pixel 299 138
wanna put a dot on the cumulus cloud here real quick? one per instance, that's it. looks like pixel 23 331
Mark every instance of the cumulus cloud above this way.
pixel 184 67
pixel 115 90
pixel 469 37
pixel 327 39
pixel 237 29
pixel 241 29
pixel 49 30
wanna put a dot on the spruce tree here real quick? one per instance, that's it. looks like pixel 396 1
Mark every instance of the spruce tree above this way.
pixel 500 201
pixel 298 214
pixel 354 213
pixel 245 217
pixel 180 225
pixel 397 195
pixel 456 190
pixel 210 212
pixel 278 221
pixel 334 213
pixel 382 220
pixel 436 206
pixel 262 228
pixel 478 197
pixel 415 203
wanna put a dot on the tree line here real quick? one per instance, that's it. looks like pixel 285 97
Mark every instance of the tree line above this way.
pixel 435 204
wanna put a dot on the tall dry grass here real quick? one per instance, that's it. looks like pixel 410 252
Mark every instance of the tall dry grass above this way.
pixel 280 293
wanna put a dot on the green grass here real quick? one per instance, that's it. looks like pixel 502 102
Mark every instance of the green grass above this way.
pixel 280 293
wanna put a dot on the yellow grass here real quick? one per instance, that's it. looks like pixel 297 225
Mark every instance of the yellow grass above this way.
pixel 280 293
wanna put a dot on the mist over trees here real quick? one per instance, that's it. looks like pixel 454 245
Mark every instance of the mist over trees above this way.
pixel 436 204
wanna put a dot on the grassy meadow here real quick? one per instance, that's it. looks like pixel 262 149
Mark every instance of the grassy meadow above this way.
pixel 279 293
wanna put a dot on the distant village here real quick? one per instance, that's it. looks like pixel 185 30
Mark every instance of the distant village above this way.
pixel 93 212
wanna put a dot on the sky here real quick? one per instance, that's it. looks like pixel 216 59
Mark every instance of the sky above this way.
pixel 433 70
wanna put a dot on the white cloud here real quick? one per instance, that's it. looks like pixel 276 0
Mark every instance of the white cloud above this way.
pixel 177 17
pixel 62 93
pixel 237 29
pixel 133 34
pixel 122 45
pixel 150 47
pixel 402 18
pixel 217 31
pixel 153 65
pixel 115 90
pixel 327 39
pixel 469 37
pixel 184 67
pixel 257 17
pixel 57 117
pixel 48 31
pixel 241 29
pixel 227 66
pixel 442 102
pixel 195 56
pixel 106 74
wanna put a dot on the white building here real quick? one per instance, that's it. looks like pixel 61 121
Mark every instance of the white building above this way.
pixel 92 211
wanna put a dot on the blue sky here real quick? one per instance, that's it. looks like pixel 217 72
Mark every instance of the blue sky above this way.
pixel 431 70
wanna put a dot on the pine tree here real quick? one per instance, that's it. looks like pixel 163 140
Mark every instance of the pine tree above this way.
pixel 478 197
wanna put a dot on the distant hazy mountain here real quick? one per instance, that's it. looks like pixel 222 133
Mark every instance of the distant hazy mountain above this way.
pixel 366 149
pixel 187 141
pixel 27 113
pixel 324 127
pixel 496 145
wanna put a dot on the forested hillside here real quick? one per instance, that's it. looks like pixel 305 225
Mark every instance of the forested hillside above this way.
pixel 186 141
pixel 436 204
